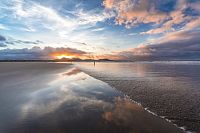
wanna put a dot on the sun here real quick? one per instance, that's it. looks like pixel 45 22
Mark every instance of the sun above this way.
pixel 64 56
pixel 61 56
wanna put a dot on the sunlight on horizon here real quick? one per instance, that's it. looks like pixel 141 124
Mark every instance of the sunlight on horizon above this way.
pixel 64 56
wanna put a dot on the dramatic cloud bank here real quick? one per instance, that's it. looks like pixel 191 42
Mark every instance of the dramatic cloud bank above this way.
pixel 112 29
pixel 164 13
pixel 131 12
pixel 182 45
pixel 177 20
pixel 37 53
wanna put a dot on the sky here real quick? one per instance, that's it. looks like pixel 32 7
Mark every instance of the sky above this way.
pixel 113 29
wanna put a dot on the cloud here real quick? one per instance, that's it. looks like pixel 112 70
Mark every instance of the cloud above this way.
pixel 90 17
pixel 12 41
pixel 58 51
pixel 98 29
pixel 157 30
pixel 131 13
pixel 80 43
pixel 2 41
pixel 174 20
pixel 193 24
pixel 36 17
pixel 15 42
pixel 108 3
pixel 61 23
pixel 181 45
pixel 32 12
pixel 38 53
pixel 189 24
pixel 132 34
pixel 3 27
pixel 2 38
pixel 164 15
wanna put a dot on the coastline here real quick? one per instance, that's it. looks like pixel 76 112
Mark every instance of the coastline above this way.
pixel 140 104
pixel 162 96
pixel 23 76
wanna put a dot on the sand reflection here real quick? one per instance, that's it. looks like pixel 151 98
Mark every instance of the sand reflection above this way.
pixel 71 91
pixel 72 71
pixel 132 118
pixel 75 102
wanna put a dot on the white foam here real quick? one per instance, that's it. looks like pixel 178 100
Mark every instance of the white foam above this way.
pixel 163 117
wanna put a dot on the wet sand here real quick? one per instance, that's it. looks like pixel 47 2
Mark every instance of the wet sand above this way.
pixel 169 89
pixel 55 98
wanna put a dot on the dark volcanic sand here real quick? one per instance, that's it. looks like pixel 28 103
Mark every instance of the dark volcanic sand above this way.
pixel 169 89
pixel 58 98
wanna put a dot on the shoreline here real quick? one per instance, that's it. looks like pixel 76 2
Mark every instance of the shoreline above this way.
pixel 146 109
pixel 24 75
pixel 130 87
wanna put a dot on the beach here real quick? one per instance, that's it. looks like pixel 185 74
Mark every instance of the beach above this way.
pixel 167 89
pixel 60 97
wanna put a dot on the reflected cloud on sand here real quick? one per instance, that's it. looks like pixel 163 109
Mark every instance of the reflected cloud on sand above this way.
pixel 76 102
pixel 133 118
pixel 72 71
pixel 71 91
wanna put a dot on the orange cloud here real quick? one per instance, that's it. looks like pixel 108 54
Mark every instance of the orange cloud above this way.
pixel 63 52
pixel 174 45
pixel 131 13
pixel 42 53
pixel 108 3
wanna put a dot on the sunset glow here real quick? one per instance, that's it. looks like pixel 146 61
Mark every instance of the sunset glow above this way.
pixel 64 56
pixel 68 66
pixel 60 56
pixel 112 29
